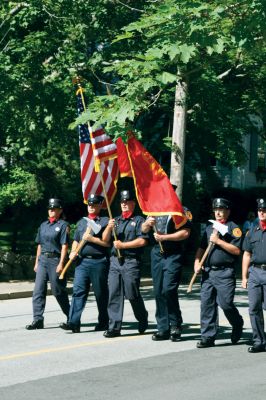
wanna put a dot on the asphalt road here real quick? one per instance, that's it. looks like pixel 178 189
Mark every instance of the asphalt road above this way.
pixel 61 365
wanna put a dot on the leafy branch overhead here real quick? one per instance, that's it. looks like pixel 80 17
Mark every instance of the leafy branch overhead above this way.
pixel 135 50
pixel 173 41
pixel 42 46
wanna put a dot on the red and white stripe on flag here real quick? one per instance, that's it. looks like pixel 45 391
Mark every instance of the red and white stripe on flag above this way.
pixel 91 182
pixel 103 147
pixel 96 148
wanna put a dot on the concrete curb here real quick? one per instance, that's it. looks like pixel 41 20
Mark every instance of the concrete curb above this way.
pixel 11 293
pixel 15 295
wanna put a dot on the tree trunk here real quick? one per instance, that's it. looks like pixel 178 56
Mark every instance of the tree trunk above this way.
pixel 179 137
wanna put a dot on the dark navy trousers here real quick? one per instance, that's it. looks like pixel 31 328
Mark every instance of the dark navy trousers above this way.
pixel 124 281
pixel 218 288
pixel 46 271
pixel 257 302
pixel 95 272
pixel 166 274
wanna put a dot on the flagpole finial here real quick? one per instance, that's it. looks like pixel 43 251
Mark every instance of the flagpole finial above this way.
pixel 77 80
pixel 130 134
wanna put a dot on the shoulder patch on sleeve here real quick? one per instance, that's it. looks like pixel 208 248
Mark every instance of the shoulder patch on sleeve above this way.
pixel 236 232
pixel 189 215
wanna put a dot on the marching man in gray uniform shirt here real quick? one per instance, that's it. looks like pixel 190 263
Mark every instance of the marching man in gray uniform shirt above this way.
pixel 53 240
pixel 124 274
pixel 254 277
pixel 218 276
pixel 91 269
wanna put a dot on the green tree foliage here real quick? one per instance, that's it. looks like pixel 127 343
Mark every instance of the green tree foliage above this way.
pixel 139 48
pixel 218 47
pixel 43 45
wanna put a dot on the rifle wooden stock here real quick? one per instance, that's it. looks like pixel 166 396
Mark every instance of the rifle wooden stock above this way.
pixel 80 245
pixel 203 258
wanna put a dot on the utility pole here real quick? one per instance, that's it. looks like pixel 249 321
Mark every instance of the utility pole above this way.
pixel 179 137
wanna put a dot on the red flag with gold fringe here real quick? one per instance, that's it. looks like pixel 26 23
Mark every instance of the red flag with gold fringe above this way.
pixel 122 159
pixel 154 191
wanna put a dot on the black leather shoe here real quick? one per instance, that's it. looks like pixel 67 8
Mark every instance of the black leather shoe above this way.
pixel 175 333
pixel 101 327
pixel 237 333
pixel 161 335
pixel 35 325
pixel 66 326
pixel 111 333
pixel 69 327
pixel 75 329
pixel 205 342
pixel 143 325
pixel 256 349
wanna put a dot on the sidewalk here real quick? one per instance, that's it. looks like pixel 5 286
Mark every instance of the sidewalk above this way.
pixel 20 289
pixel 16 289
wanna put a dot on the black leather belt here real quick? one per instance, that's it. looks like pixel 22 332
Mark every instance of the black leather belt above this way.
pixel 50 255
pixel 94 257
pixel 219 267
pixel 260 266
pixel 137 258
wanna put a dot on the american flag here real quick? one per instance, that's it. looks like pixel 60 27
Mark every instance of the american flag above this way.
pixel 96 151
pixel 103 147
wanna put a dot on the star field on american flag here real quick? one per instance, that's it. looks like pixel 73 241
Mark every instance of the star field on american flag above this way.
pixel 84 135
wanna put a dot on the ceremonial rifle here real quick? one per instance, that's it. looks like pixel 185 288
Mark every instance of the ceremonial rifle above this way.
pixel 91 227
pixel 217 227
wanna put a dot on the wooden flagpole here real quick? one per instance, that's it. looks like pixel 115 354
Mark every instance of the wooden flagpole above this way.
pixel 119 256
